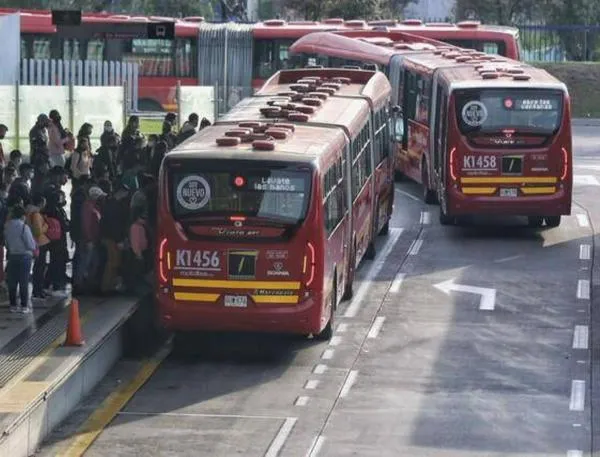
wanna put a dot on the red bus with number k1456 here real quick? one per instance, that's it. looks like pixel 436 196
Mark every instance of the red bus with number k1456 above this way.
pixel 264 216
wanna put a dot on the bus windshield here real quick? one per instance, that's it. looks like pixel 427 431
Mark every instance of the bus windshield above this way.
pixel 492 110
pixel 271 192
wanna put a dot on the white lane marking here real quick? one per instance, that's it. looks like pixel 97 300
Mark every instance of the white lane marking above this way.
pixel 397 282
pixel 425 217
pixel 574 453
pixel 581 362
pixel 302 401
pixel 585 252
pixel 585 180
pixel 320 369
pixel 583 289
pixel 376 327
pixel 335 341
pixel 342 328
pixel 311 384
pixel 508 259
pixel 315 446
pixel 577 395
pixel 350 380
pixel 580 337
pixel 281 437
pixel 217 416
pixel 582 220
pixel 406 194
pixel 328 354
pixel 415 247
pixel 354 306
pixel 487 301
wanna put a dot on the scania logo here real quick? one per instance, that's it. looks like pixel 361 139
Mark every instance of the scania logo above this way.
pixel 278 266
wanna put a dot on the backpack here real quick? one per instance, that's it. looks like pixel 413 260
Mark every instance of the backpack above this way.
pixel 54 232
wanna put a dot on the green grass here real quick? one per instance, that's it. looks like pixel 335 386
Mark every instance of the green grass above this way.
pixel 581 79
pixel 150 126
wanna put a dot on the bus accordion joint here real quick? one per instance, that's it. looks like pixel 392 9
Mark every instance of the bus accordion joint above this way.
pixel 164 261
pixel 453 165
pixel 565 172
pixel 311 251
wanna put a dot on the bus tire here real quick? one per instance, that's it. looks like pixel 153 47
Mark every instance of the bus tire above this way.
pixel 183 344
pixel 552 221
pixel 535 221
pixel 371 251
pixel 349 286
pixel 429 195
pixel 385 230
pixel 147 104
pixel 327 332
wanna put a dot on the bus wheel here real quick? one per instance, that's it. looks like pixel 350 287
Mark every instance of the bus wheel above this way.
pixel 371 251
pixel 349 287
pixel 327 332
pixel 445 219
pixel 385 229
pixel 183 344
pixel 429 196
pixel 552 221
pixel 535 221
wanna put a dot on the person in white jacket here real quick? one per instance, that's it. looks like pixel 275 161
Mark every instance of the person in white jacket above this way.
pixel 81 162
pixel 58 138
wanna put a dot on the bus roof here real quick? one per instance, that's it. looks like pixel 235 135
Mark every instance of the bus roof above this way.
pixel 373 86
pixel 305 144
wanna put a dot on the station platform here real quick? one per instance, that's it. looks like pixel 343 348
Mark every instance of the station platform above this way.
pixel 41 380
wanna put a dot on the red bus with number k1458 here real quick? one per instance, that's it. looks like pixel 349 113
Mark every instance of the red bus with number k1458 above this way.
pixel 264 216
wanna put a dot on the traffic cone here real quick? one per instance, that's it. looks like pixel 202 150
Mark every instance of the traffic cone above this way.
pixel 74 337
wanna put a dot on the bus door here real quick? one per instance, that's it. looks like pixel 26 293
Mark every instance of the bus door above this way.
pixel 438 136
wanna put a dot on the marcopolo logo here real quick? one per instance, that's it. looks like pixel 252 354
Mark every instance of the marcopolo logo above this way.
pixel 193 192
pixel 474 113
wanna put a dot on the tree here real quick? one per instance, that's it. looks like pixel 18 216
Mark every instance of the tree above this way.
pixel 502 12
pixel 311 10
pixel 356 9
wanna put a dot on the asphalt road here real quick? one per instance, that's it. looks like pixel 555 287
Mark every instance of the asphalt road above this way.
pixel 419 366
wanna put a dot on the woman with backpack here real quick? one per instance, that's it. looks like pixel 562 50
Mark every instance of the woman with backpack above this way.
pixel 58 226
pixel 39 228
pixel 22 249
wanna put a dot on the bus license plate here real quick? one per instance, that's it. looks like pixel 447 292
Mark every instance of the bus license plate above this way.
pixel 236 301
pixel 508 192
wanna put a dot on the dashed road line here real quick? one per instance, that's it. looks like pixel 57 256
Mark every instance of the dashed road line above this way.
pixel 342 328
pixel 574 453
pixel 580 337
pixel 397 283
pixel 316 446
pixel 583 289
pixel 425 217
pixel 508 259
pixel 585 252
pixel 311 384
pixel 583 220
pixel 350 380
pixel 577 401
pixel 281 437
pixel 406 194
pixel 415 247
pixel 320 369
pixel 335 341
pixel 376 327
pixel 328 354
pixel 354 306
pixel 302 400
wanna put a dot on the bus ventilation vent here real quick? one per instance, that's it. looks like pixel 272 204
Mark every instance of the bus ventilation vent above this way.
pixel 274 22
pixel 358 23
pixel 468 24
pixel 462 59
pixel 489 75
pixel 412 22
pixel 521 77
pixel 333 21
pixel 261 134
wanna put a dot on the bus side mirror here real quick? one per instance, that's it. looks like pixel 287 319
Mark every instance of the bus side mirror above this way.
pixel 397 124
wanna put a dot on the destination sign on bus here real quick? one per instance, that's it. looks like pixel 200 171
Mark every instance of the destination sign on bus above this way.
pixel 276 184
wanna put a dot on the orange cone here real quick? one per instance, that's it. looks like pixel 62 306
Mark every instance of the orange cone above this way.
pixel 74 337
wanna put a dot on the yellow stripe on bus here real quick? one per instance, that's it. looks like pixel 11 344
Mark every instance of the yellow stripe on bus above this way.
pixel 538 190
pixel 228 284
pixel 509 180
pixel 292 299
pixel 479 190
pixel 189 296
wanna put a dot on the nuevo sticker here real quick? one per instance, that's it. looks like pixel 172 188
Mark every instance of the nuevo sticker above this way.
pixel 193 192
pixel 474 113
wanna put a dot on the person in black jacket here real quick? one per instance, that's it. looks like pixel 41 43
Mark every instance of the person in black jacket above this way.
pixel 108 155
pixel 160 151
pixel 56 275
pixel 168 136
pixel 189 128
pixel 20 189
pixel 78 197
pixel 38 140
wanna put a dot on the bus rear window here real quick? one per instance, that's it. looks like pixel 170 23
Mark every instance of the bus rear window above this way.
pixel 277 193
pixel 492 110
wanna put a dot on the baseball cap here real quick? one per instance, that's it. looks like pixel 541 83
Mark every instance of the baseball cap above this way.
pixel 95 193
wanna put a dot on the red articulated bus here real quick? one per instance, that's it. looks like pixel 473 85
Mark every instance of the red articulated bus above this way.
pixel 265 215
pixel 514 160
